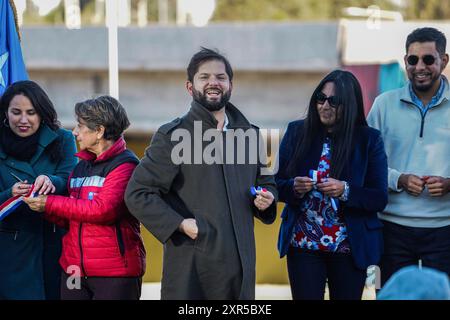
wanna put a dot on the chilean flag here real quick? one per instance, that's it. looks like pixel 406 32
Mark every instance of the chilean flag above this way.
pixel 12 66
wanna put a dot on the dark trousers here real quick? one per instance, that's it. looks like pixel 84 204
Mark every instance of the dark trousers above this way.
pixel 102 288
pixel 309 270
pixel 404 246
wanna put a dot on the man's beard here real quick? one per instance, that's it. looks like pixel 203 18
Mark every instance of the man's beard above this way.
pixel 211 105
pixel 425 87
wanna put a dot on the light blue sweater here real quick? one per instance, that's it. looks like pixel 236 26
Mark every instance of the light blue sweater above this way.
pixel 417 145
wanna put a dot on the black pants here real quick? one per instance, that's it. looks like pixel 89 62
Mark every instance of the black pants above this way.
pixel 309 270
pixel 404 246
pixel 102 288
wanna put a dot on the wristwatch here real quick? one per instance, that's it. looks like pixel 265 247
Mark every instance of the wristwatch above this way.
pixel 344 195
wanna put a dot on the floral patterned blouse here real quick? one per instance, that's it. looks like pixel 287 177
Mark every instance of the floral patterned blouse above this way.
pixel 319 226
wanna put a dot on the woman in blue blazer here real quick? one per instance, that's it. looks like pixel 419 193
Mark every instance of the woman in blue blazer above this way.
pixel 33 150
pixel 333 179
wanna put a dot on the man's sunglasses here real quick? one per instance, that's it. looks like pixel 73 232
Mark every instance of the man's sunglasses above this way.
pixel 428 59
pixel 333 101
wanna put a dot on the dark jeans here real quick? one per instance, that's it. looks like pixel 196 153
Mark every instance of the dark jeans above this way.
pixel 102 288
pixel 309 270
pixel 404 246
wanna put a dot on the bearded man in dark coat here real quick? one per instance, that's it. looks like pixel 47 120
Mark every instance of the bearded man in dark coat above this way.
pixel 192 190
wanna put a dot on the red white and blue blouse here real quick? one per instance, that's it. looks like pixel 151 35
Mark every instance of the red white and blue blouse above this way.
pixel 319 226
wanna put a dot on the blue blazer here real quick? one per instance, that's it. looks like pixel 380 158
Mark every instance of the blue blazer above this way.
pixel 366 174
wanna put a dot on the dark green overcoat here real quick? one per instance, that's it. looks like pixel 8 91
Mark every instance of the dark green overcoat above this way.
pixel 220 263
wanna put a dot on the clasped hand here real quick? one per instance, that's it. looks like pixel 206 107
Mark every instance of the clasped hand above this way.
pixel 263 199
pixel 330 187
pixel 414 185
pixel 36 203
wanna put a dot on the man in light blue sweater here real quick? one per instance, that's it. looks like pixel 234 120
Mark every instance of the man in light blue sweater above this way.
pixel 415 125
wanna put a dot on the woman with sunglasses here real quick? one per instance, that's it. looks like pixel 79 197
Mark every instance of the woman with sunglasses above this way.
pixel 333 179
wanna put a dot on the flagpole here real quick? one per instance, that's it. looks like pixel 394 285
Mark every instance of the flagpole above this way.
pixel 16 20
pixel 113 61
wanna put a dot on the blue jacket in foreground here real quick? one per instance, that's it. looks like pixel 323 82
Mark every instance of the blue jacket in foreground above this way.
pixel 29 245
pixel 366 174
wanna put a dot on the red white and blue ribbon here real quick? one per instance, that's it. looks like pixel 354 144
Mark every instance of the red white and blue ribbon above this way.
pixel 11 204
pixel 317 177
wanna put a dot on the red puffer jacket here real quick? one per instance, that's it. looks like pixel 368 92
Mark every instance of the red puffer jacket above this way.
pixel 103 239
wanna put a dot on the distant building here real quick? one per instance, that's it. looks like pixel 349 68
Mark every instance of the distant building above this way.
pixel 277 67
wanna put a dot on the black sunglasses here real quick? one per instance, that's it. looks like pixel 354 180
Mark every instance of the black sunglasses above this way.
pixel 333 101
pixel 428 59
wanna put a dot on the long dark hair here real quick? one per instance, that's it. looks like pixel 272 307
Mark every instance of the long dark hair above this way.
pixel 41 103
pixel 349 115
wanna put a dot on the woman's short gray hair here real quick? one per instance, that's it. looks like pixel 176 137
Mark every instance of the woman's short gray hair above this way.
pixel 104 111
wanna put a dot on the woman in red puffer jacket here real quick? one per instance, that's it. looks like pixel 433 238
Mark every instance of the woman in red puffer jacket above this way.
pixel 103 255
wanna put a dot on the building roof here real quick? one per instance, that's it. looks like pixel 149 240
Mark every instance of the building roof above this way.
pixel 306 47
